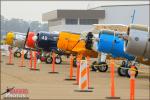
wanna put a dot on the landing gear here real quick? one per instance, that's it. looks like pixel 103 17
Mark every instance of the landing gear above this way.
pixel 27 55
pixel 49 60
pixel 124 70
pixel 128 72
pixel 101 67
pixel 58 59
pixel 93 66
pixel 17 53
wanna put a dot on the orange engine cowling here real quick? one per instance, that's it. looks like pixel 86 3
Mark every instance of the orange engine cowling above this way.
pixel 71 42
pixel 29 40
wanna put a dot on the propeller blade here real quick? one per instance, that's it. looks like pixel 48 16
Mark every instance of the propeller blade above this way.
pixel 27 36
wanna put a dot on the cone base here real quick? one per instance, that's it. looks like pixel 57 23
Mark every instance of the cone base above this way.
pixel 112 97
pixel 75 84
pixel 83 90
pixel 53 72
pixel 90 87
pixel 22 66
pixel 9 63
pixel 34 69
pixel 68 79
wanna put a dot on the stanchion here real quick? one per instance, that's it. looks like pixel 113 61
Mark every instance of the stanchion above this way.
pixel 83 82
pixel 53 64
pixel 132 82
pixel 35 62
pixel 88 72
pixel 71 70
pixel 22 59
pixel 10 57
pixel 77 69
pixel 112 75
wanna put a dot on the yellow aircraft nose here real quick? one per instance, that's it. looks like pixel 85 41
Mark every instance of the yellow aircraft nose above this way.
pixel 9 38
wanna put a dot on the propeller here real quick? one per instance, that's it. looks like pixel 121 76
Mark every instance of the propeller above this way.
pixel 26 37
pixel 34 38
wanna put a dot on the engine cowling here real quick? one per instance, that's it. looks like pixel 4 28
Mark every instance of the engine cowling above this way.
pixel 138 42
pixel 10 36
pixel 111 44
pixel 30 43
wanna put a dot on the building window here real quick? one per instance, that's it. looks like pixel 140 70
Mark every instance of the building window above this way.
pixel 88 21
pixel 71 21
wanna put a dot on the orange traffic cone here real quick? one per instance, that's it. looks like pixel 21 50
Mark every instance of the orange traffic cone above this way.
pixel 10 57
pixel 88 72
pixel 71 69
pixel 31 58
pixel 35 62
pixel 112 75
pixel 132 82
pixel 53 64
pixel 22 59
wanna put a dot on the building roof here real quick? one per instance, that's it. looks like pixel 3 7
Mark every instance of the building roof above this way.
pixel 118 5
pixel 86 14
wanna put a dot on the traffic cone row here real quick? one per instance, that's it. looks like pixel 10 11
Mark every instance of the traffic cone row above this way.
pixel 82 73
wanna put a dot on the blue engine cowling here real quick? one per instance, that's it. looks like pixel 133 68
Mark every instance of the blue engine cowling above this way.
pixel 111 44
pixel 47 41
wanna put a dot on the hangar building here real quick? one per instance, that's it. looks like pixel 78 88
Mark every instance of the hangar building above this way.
pixel 82 20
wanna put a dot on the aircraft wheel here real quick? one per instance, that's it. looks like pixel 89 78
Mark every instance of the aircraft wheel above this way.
pixel 42 58
pixel 93 67
pixel 26 56
pixel 103 68
pixel 128 72
pixel 49 60
pixel 58 60
pixel 121 71
pixel 17 54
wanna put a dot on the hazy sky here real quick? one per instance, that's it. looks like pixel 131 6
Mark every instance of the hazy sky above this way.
pixel 33 10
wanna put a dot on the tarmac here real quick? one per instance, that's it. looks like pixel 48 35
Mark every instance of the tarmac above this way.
pixel 43 85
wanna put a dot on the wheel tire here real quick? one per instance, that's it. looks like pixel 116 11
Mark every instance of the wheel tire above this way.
pixel 26 56
pixel 93 67
pixel 128 72
pixel 123 63
pixel 121 72
pixel 75 62
pixel 103 68
pixel 49 60
pixel 42 58
pixel 58 60
pixel 17 54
